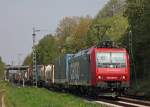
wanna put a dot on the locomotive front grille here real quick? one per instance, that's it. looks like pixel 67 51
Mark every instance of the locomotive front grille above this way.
pixel 112 84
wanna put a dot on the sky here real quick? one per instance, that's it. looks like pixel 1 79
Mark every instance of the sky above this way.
pixel 18 17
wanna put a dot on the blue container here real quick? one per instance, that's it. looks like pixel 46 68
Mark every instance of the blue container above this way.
pixel 61 69
pixel 38 70
pixel 79 69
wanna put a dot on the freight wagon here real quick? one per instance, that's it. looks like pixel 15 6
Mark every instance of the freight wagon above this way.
pixel 101 69
pixel 61 69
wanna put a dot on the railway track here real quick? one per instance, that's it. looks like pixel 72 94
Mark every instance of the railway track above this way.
pixel 111 102
pixel 121 102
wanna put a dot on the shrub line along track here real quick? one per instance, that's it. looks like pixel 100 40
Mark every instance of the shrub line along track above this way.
pixel 121 102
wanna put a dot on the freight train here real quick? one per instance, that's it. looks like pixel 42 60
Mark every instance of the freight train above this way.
pixel 100 70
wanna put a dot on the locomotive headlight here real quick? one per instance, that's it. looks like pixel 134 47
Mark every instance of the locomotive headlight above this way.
pixel 124 77
pixel 99 77
pixel 111 66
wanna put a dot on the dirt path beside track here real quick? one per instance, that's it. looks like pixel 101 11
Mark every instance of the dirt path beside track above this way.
pixel 2 103
pixel 0 100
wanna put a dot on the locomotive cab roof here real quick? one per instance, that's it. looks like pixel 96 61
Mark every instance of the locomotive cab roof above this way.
pixel 103 44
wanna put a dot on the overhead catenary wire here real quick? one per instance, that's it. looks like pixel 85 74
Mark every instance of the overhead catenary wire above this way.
pixel 103 29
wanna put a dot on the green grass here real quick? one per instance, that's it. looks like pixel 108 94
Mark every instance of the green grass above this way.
pixel 40 97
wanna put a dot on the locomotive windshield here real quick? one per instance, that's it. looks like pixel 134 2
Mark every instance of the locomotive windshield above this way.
pixel 110 59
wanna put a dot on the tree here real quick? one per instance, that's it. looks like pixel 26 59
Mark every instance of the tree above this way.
pixel 47 50
pixel 113 7
pixel 28 60
pixel 71 33
pixel 118 26
pixel 78 40
pixel 64 30
pixel 138 14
